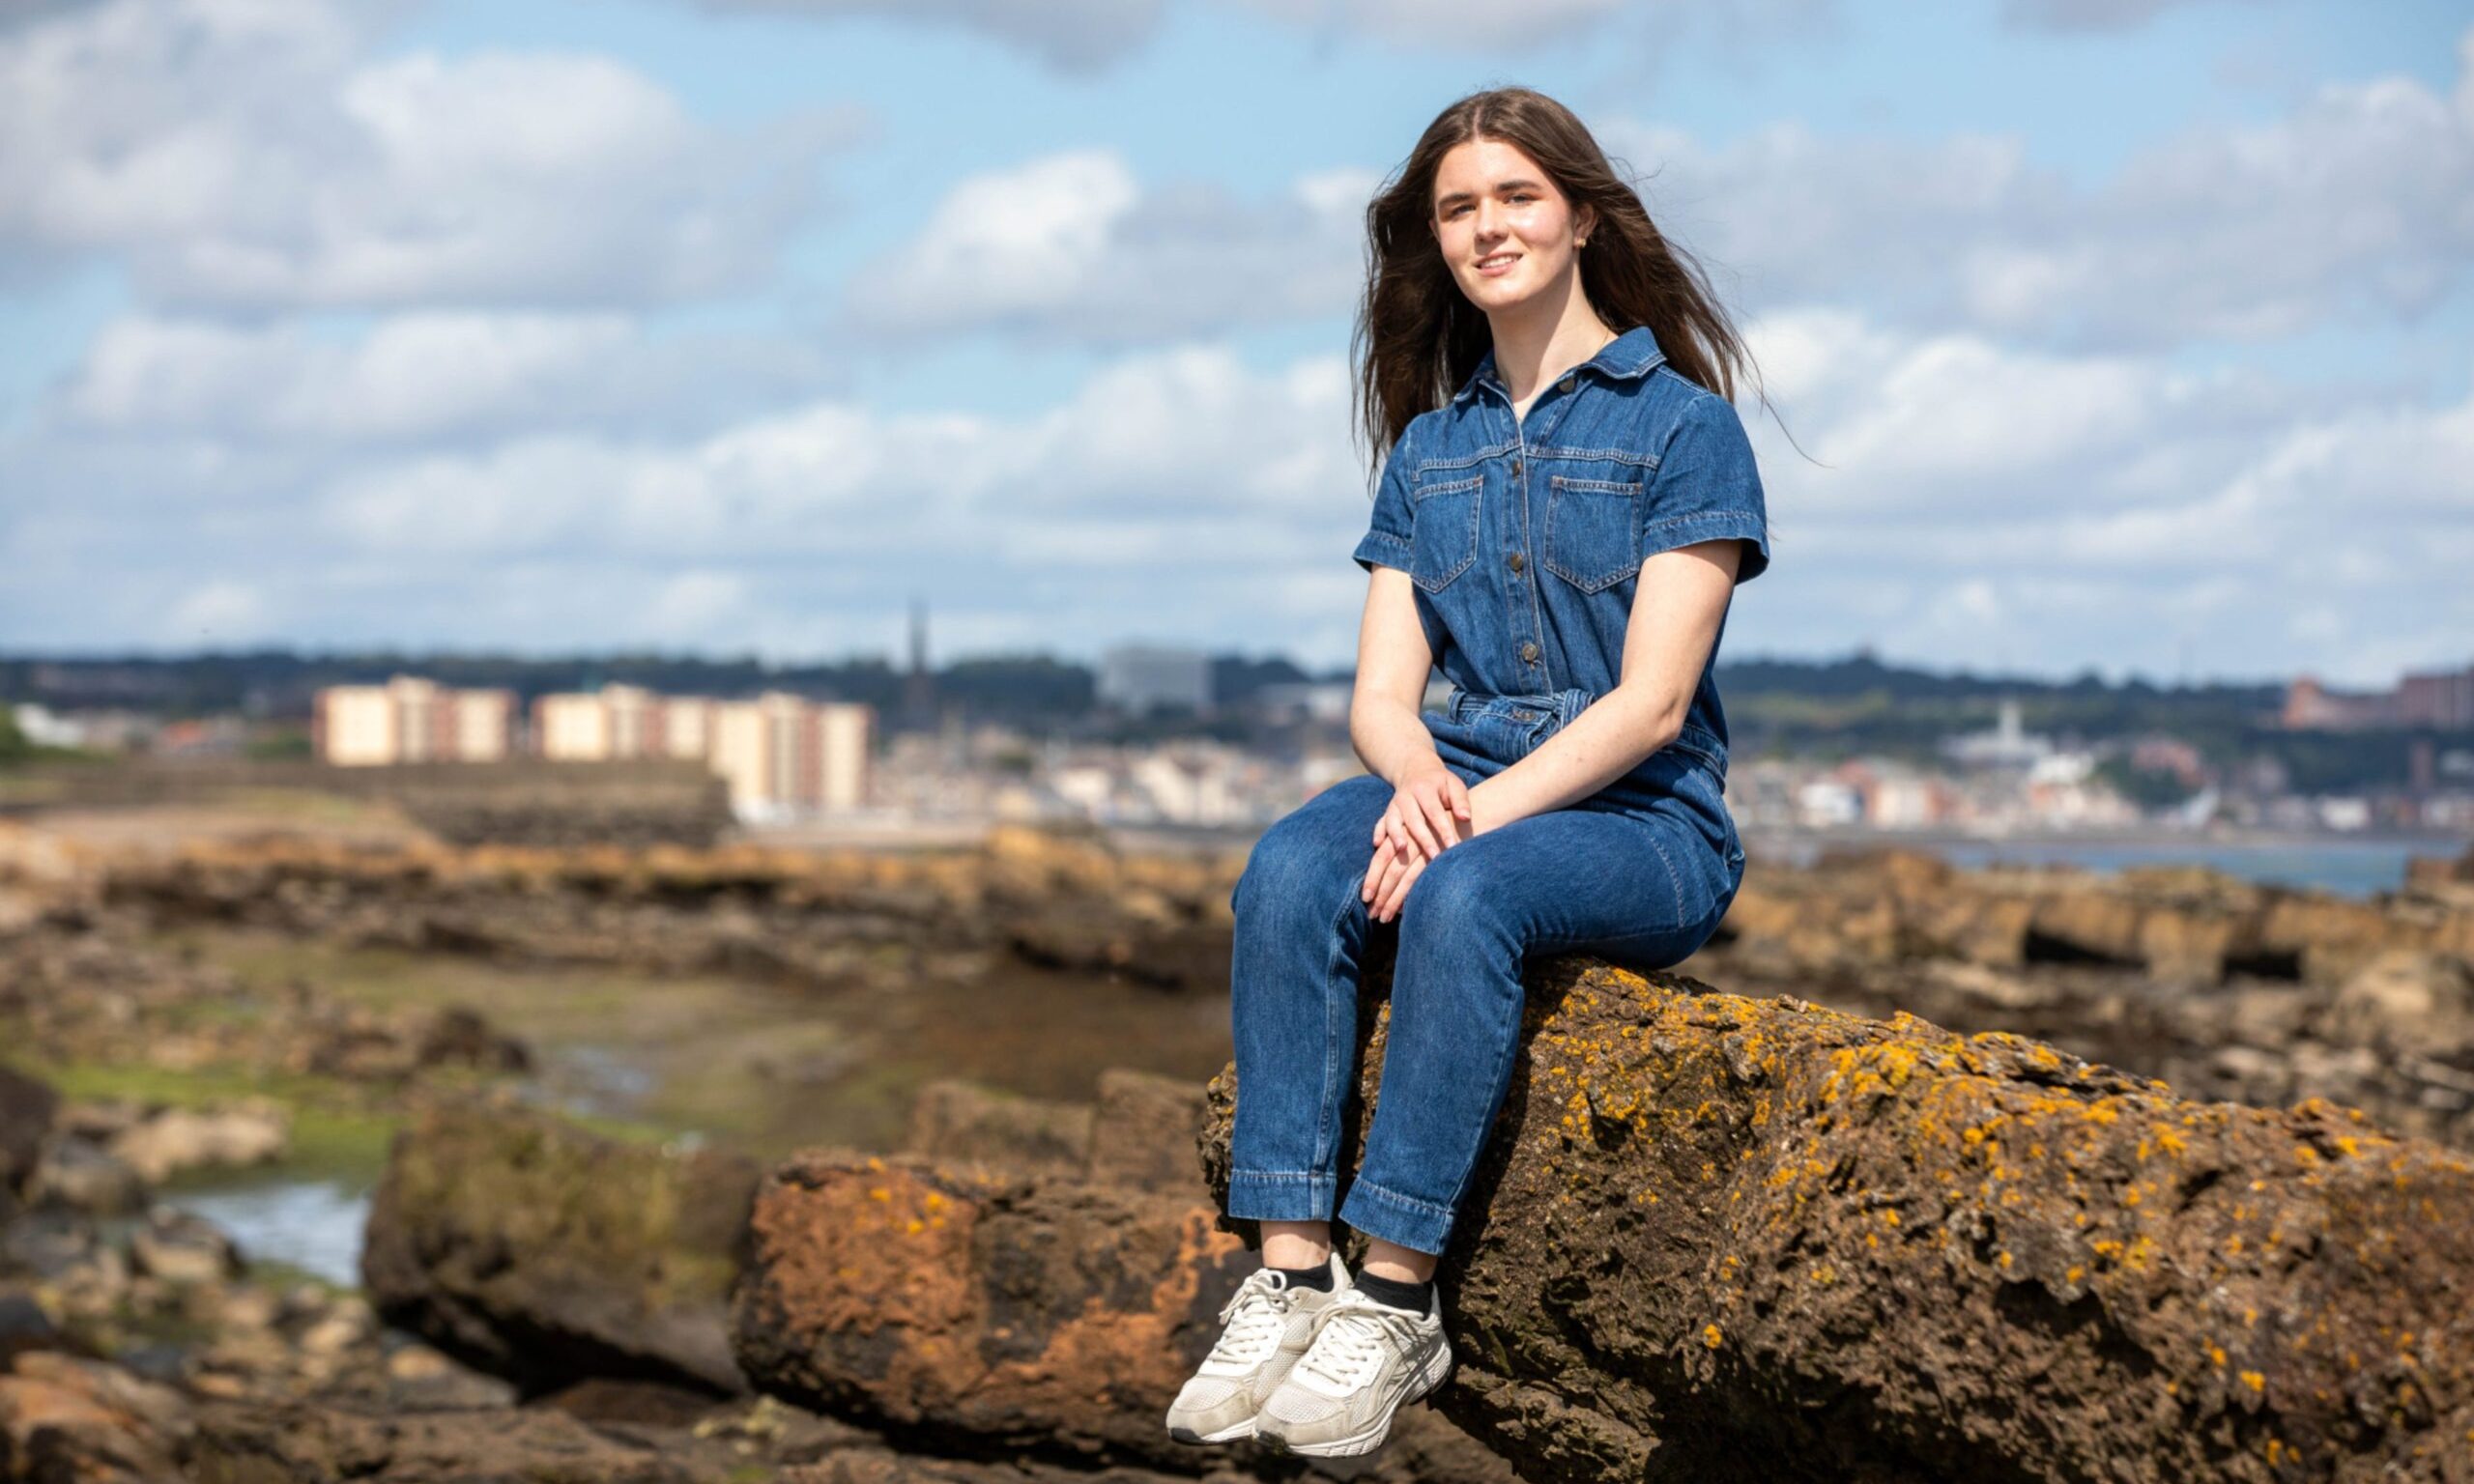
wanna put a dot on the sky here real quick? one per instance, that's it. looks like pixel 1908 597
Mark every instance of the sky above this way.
pixel 2125 336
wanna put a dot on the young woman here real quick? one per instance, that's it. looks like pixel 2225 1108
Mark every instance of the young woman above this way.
pixel 1567 505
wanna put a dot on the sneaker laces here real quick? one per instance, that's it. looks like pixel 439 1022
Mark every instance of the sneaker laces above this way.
pixel 1349 1335
pixel 1254 1315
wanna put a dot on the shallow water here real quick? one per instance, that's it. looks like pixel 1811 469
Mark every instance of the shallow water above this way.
pixel 314 1225
pixel 2358 868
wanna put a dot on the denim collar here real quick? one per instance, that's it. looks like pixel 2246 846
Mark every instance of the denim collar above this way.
pixel 1629 355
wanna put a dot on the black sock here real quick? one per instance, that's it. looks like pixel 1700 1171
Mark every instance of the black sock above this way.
pixel 1416 1298
pixel 1317 1276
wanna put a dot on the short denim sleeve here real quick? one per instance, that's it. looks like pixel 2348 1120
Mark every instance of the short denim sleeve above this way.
pixel 1387 535
pixel 1708 488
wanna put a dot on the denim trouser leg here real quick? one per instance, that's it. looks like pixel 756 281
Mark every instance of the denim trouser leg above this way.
pixel 1293 998
pixel 1638 889
pixel 1642 888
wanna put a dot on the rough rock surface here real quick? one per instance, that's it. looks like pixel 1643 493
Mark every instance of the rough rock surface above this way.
pixel 2180 924
pixel 1721 1239
pixel 26 1111
pixel 67 1419
pixel 543 1253
pixel 2357 1007
pixel 967 1311
pixel 1048 897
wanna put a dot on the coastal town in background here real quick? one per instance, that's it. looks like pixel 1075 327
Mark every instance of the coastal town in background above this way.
pixel 1161 738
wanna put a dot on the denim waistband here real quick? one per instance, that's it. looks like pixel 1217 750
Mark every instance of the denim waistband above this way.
pixel 1562 707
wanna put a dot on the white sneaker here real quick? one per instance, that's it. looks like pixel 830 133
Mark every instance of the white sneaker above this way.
pixel 1268 1326
pixel 1366 1361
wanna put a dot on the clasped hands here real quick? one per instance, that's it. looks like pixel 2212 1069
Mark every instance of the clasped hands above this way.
pixel 1431 810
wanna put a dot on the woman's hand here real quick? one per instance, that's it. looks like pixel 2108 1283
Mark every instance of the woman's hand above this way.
pixel 1430 812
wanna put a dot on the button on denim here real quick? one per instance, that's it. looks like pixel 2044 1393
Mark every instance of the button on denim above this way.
pixel 1523 540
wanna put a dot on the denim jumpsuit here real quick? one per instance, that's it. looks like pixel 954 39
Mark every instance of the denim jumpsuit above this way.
pixel 1523 539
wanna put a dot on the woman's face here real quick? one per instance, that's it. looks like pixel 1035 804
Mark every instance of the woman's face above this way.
pixel 1504 228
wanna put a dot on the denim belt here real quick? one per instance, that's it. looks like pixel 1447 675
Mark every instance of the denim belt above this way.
pixel 1562 705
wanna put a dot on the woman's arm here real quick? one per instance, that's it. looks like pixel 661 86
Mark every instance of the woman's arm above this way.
pixel 1393 662
pixel 1680 599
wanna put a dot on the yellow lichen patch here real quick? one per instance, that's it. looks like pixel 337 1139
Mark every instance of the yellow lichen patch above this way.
pixel 2255 1381
pixel 1710 1336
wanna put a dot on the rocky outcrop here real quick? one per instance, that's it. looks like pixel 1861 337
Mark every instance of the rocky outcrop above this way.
pixel 1724 1238
pixel 963 1308
pixel 83 991
pixel 546 1254
pixel 2178 924
pixel 2347 1015
pixel 1049 899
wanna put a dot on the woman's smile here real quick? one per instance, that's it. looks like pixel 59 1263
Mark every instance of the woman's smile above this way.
pixel 1498 264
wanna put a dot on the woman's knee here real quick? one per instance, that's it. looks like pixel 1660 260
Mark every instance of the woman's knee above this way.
pixel 1306 857
pixel 1459 890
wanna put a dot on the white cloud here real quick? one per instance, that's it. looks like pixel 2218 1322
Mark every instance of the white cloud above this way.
pixel 1072 36
pixel 1083 37
pixel 1466 25
pixel 242 154
pixel 1072 246
pixel 427 375
pixel 2361 199
pixel 1981 504
pixel 1992 506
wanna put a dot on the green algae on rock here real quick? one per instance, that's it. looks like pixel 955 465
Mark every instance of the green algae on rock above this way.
pixel 539 1251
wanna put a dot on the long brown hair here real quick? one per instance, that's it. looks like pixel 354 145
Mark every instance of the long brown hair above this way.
pixel 1418 337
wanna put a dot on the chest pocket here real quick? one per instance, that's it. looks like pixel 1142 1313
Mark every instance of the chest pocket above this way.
pixel 1593 530
pixel 1443 529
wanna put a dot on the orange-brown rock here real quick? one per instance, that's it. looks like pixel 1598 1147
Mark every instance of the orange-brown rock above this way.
pixel 961 1309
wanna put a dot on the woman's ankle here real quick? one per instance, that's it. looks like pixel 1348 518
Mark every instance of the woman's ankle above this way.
pixel 1296 1244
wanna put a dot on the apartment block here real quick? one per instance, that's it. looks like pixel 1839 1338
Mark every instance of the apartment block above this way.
pixel 621 721
pixel 411 720
pixel 781 754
